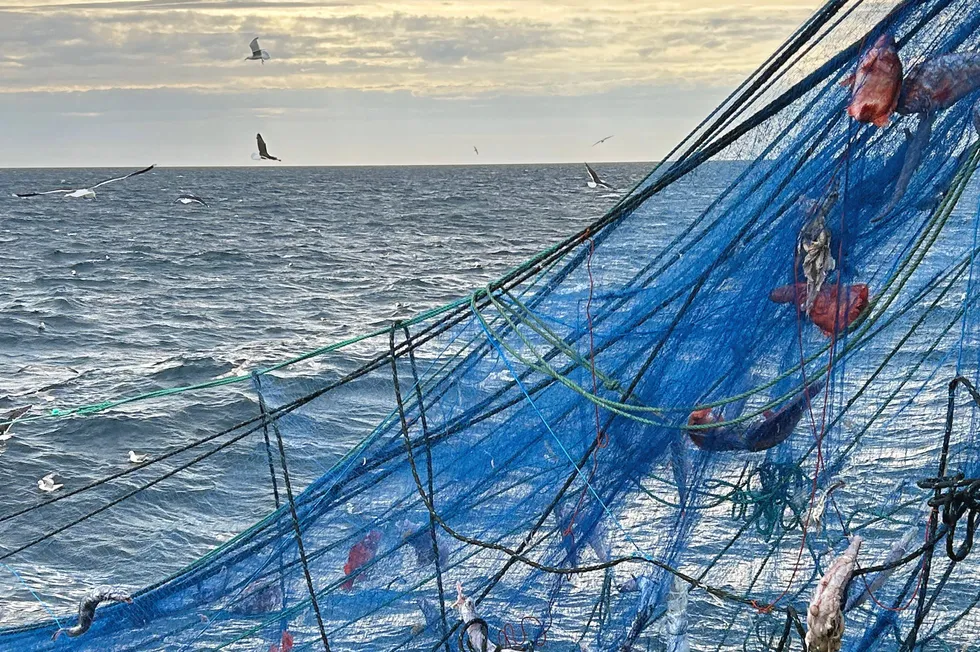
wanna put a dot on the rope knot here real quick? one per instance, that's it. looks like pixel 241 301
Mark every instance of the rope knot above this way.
pixel 957 496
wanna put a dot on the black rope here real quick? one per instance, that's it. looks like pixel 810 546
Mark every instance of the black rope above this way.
pixel 128 494
pixel 428 465
pixel 937 499
pixel 958 496
pixel 798 624
pixel 257 383
pixel 299 535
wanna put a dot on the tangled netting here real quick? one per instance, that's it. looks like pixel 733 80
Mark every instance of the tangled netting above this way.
pixel 611 448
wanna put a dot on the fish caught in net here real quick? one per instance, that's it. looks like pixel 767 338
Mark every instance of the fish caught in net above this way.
pixel 632 444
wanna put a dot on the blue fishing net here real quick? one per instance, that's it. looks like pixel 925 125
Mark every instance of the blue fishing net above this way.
pixel 552 446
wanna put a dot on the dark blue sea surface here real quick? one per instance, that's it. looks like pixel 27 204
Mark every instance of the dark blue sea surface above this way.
pixel 138 294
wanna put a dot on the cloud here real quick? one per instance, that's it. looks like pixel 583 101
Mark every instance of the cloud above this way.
pixel 129 82
pixel 428 48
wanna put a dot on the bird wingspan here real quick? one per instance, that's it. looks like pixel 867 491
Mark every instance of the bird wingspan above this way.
pixel 191 198
pixel 38 194
pixel 131 174
pixel 593 174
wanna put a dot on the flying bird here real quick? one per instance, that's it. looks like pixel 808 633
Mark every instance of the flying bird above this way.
pixel 47 483
pixel 7 419
pixel 595 181
pixel 476 150
pixel 263 151
pixel 137 459
pixel 191 199
pixel 602 140
pixel 258 54
pixel 84 193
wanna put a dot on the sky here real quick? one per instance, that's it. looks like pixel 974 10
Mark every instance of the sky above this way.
pixel 354 82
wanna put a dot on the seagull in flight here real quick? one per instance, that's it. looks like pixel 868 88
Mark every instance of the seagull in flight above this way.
pixel 83 193
pixel 191 199
pixel 47 483
pixel 602 140
pixel 263 151
pixel 595 181
pixel 258 54
pixel 476 150
pixel 7 419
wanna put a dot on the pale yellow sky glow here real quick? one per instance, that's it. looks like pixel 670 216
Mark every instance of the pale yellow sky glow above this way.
pixel 366 58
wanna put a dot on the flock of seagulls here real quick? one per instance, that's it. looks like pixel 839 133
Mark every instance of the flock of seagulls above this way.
pixel 48 483
pixel 89 193
pixel 260 55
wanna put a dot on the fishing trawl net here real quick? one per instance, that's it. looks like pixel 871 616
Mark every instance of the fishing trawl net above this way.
pixel 632 442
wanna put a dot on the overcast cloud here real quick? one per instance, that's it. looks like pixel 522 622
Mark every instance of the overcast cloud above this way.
pixel 365 82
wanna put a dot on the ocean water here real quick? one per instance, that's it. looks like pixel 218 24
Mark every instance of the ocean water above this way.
pixel 137 294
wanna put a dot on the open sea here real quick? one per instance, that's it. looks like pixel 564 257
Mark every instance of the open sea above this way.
pixel 129 293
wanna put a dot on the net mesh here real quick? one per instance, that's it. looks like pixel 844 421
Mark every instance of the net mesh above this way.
pixel 552 445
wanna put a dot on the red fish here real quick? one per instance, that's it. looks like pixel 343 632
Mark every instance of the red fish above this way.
pixel 285 644
pixel 877 83
pixel 826 312
pixel 360 553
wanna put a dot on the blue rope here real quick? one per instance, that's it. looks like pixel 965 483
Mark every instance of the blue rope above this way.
pixel 36 596
pixel 578 470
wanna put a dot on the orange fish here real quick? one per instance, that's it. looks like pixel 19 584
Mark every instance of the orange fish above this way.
pixel 360 553
pixel 877 83
pixel 285 644
pixel 826 312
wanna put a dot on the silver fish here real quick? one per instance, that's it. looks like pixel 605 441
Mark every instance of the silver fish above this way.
pixel 913 158
pixel 814 247
pixel 931 86
pixel 815 523
pixel 824 618
pixel 898 550
pixel 939 83
pixel 86 608
pixel 676 621
pixel 467 612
